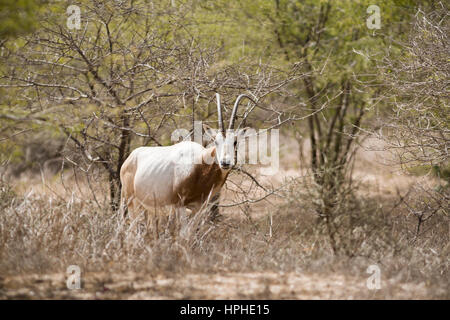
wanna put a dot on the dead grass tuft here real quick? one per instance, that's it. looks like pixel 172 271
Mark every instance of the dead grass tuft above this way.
pixel 41 234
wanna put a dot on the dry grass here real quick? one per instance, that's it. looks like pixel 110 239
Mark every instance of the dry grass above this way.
pixel 242 256
pixel 274 249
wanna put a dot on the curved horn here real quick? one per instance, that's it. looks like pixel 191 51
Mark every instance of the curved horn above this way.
pixel 234 112
pixel 219 115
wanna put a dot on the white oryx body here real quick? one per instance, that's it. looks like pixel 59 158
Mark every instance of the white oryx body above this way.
pixel 159 176
pixel 183 175
pixel 167 165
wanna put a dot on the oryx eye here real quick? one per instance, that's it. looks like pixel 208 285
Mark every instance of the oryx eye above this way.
pixel 235 143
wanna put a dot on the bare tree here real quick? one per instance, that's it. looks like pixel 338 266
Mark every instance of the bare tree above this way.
pixel 417 130
pixel 122 79
pixel 419 83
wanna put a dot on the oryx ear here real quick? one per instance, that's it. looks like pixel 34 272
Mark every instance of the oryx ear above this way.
pixel 244 132
pixel 209 155
pixel 208 135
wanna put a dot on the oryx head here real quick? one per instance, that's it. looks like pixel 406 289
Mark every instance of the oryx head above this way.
pixel 226 142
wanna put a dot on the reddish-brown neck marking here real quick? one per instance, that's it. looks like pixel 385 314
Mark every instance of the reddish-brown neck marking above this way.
pixel 203 179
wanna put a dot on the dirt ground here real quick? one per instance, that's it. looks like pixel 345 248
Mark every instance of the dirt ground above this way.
pixel 267 285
